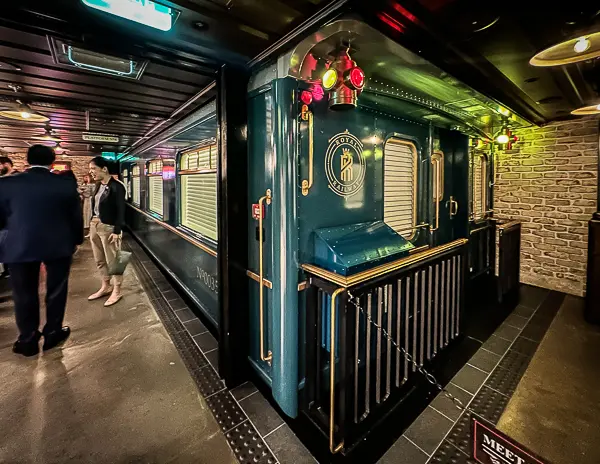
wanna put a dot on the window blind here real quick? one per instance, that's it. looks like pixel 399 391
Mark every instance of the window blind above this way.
pixel 156 194
pixel 199 203
pixel 479 186
pixel 400 172
pixel 135 186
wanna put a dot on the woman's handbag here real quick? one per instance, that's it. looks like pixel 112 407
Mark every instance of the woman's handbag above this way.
pixel 122 258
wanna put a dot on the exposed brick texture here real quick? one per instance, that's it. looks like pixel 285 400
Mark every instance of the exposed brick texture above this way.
pixel 548 180
pixel 79 164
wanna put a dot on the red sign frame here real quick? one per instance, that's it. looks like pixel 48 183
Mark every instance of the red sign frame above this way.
pixel 515 453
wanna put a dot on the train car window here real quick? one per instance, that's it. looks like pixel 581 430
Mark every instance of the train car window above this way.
pixel 400 186
pixel 125 175
pixel 135 185
pixel 480 182
pixel 198 182
pixel 155 186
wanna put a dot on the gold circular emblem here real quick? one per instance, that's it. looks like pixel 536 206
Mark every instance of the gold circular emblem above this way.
pixel 345 165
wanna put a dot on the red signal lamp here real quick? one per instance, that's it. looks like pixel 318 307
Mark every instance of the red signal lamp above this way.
pixel 306 97
pixel 355 78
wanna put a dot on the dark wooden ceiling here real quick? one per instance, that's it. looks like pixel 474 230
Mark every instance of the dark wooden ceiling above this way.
pixel 181 63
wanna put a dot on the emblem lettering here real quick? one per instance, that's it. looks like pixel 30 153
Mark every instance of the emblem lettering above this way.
pixel 345 164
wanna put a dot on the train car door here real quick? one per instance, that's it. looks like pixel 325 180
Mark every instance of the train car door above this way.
pixel 450 171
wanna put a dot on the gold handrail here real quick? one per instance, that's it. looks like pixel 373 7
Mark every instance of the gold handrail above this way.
pixel 266 198
pixel 437 162
pixel 307 183
pixel 332 335
pixel 382 269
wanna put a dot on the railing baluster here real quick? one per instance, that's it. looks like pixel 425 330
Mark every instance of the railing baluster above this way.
pixel 452 297
pixel 429 275
pixel 458 287
pixel 356 358
pixel 398 327
pixel 378 352
pixel 388 307
pixel 368 358
pixel 442 303
pixel 436 289
pixel 406 320
pixel 422 321
pixel 448 306
pixel 415 319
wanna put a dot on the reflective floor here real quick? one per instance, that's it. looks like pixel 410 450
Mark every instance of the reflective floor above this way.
pixel 116 393
pixel 555 410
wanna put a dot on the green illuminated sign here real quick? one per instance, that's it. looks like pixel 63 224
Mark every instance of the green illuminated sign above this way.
pixel 110 155
pixel 144 12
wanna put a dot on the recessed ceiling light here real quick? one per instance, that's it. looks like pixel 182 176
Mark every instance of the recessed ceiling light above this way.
pixel 571 51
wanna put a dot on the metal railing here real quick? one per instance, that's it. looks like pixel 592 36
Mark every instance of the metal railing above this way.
pixel 509 261
pixel 358 326
pixel 482 249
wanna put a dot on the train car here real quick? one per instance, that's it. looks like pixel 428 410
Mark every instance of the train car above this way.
pixel 363 209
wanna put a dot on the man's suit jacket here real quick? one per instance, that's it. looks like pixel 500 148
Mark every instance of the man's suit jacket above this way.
pixel 40 217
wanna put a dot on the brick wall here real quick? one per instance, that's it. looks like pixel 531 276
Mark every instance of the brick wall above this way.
pixel 549 181
pixel 79 164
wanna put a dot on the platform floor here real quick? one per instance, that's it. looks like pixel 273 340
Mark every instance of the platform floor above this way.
pixel 118 392
pixel 555 410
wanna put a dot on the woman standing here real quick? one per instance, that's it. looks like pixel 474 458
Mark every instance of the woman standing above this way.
pixel 107 220
pixel 87 192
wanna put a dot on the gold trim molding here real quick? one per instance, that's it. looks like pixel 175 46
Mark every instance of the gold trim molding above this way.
pixel 176 231
pixel 256 278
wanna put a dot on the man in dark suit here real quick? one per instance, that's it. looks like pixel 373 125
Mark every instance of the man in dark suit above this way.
pixel 40 214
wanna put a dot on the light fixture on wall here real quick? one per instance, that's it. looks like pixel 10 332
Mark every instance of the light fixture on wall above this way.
pixel 582 48
pixel 506 138
pixel 586 110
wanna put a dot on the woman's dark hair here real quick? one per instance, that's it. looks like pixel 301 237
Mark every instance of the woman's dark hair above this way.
pixel 40 155
pixel 101 163
pixel 5 160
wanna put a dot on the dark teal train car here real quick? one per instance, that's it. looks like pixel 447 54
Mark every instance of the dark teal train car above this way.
pixel 327 226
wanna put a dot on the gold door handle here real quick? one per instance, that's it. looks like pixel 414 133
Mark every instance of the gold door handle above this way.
pixel 453 207
pixel 307 183
pixel 261 282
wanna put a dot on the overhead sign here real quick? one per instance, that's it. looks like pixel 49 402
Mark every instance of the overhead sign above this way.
pixel 144 12
pixel 490 446
pixel 89 137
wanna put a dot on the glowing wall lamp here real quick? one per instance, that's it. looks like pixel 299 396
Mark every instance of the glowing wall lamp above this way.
pixel 505 137
pixel 144 12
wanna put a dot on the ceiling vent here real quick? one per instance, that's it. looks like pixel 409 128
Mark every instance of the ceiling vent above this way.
pixel 69 54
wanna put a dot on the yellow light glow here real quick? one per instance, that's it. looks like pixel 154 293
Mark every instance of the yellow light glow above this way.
pixel 330 78
pixel 503 111
pixel 598 107
pixel 25 115
pixel 581 45
pixel 502 138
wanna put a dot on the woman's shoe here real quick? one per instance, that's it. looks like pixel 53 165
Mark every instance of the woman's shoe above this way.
pixel 114 298
pixel 100 293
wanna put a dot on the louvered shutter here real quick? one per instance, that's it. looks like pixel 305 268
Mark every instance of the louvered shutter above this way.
pixel 156 194
pixel 479 186
pixel 399 207
pixel 199 203
pixel 135 185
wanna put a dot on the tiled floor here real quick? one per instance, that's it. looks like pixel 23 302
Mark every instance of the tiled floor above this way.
pixel 485 384
pixel 253 428
pixel 439 435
